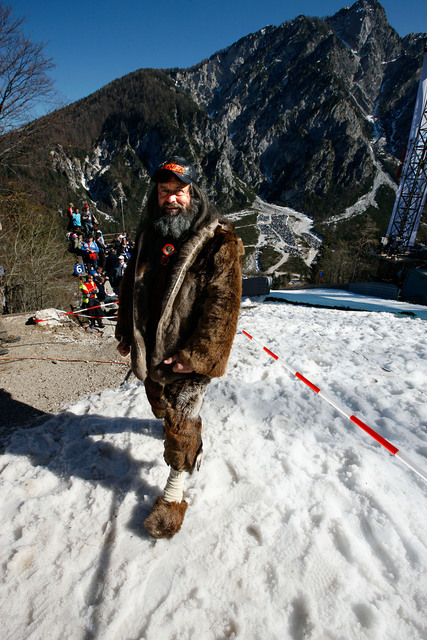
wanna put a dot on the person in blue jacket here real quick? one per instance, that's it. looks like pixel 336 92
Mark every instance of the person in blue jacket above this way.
pixel 76 219
pixel 90 254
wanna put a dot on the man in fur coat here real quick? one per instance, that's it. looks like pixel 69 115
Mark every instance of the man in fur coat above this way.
pixel 178 311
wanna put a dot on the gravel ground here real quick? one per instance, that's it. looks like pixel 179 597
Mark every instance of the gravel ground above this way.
pixel 40 374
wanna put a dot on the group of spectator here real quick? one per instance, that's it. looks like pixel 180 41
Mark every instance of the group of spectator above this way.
pixel 99 265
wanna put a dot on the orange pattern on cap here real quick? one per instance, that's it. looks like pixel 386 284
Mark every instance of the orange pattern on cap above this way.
pixel 174 167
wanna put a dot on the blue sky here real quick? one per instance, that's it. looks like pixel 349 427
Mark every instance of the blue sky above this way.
pixel 93 42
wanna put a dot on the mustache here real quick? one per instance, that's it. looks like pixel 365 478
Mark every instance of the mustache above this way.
pixel 176 205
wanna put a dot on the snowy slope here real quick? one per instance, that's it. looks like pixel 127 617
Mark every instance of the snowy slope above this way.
pixel 300 526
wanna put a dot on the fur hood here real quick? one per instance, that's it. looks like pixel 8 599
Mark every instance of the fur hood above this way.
pixel 199 309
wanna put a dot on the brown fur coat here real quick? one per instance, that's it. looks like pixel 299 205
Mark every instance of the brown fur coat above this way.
pixel 200 304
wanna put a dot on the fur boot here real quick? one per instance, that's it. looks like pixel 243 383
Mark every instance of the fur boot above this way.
pixel 166 518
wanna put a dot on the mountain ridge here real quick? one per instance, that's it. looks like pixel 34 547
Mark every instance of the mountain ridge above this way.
pixel 290 113
pixel 311 115
pixel 319 63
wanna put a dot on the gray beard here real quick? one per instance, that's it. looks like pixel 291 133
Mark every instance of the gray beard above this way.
pixel 175 226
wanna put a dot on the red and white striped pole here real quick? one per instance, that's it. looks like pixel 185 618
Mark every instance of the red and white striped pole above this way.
pixel 396 452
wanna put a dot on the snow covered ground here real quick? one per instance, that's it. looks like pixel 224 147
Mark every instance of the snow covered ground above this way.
pixel 367 200
pixel 299 526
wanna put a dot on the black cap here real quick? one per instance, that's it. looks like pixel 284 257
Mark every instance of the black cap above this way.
pixel 179 167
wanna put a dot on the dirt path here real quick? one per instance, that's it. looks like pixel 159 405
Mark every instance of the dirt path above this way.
pixel 48 378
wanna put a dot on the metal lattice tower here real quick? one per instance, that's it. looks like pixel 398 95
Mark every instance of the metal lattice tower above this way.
pixel 411 195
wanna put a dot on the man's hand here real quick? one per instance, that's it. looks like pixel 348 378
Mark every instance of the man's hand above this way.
pixel 123 348
pixel 179 366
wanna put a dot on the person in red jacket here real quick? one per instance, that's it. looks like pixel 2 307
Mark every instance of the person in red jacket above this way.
pixel 91 302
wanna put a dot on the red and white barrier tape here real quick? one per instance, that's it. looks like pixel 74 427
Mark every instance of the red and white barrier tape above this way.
pixel 391 448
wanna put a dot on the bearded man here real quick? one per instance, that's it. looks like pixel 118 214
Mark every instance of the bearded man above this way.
pixel 178 311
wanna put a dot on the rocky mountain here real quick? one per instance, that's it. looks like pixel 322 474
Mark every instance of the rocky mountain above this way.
pixel 313 105
pixel 312 114
pixel 108 144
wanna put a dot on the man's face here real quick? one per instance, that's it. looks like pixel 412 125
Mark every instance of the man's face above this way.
pixel 177 210
pixel 173 196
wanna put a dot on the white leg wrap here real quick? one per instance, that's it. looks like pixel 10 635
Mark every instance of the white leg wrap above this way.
pixel 174 489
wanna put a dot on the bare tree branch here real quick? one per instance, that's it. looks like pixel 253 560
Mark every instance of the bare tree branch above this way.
pixel 25 84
